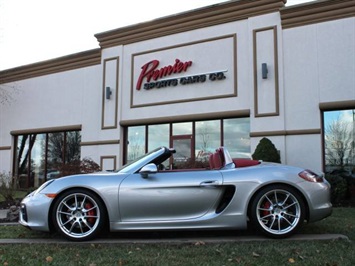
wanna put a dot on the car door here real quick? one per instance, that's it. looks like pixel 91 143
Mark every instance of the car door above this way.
pixel 169 195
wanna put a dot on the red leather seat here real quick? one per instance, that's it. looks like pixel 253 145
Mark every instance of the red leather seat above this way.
pixel 216 160
pixel 245 162
pixel 210 160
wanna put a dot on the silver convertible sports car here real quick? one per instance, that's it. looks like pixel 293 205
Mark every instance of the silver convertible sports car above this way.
pixel 147 195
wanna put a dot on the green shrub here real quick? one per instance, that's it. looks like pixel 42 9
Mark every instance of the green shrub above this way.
pixel 266 151
pixel 339 188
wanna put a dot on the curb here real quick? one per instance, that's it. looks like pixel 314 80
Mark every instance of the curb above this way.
pixel 9 224
pixel 195 241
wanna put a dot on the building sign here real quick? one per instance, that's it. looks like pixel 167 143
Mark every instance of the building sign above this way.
pixel 189 72
pixel 153 77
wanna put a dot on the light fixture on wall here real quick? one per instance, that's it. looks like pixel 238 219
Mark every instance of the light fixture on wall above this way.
pixel 264 70
pixel 108 93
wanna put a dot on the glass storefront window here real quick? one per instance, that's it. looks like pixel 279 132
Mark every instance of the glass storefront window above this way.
pixel 43 156
pixel 55 154
pixel 182 128
pixel 136 143
pixel 193 141
pixel 207 138
pixel 72 150
pixel 236 137
pixel 158 135
pixel 22 158
pixel 183 158
pixel 339 142
pixel 37 160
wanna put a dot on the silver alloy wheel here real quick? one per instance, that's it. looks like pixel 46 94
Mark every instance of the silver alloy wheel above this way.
pixel 78 215
pixel 278 212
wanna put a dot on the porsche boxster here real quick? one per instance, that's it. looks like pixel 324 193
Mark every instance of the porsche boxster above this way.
pixel 148 194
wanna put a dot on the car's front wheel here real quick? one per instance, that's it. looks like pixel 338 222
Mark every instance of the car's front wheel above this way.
pixel 78 215
pixel 277 211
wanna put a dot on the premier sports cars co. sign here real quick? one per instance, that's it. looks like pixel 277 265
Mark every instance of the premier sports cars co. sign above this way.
pixel 153 77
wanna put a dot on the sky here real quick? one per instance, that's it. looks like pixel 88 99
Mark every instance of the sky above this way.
pixel 332 116
pixel 36 30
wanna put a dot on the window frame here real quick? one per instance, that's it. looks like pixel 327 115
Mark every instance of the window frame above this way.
pixel 171 136
pixel 30 134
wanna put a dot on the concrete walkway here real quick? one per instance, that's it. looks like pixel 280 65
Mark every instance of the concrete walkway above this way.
pixel 196 241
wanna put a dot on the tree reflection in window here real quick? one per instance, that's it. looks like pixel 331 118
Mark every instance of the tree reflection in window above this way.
pixel 41 157
pixel 136 143
pixel 55 149
pixel 339 141
pixel 72 151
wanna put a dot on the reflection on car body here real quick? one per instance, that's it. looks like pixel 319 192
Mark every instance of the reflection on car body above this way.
pixel 276 199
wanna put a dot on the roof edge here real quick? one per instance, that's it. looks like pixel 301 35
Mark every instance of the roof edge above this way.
pixel 315 12
pixel 199 18
pixel 64 63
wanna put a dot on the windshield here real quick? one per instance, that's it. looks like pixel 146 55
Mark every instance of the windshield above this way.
pixel 136 163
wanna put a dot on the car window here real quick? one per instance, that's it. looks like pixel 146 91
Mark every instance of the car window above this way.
pixel 136 163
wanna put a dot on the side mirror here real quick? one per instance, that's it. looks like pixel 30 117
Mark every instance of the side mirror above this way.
pixel 148 169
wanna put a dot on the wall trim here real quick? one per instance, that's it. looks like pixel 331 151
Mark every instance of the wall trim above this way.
pixel 276 71
pixel 100 142
pixel 45 130
pixel 183 118
pixel 233 93
pixel 114 126
pixel 329 106
pixel 69 62
pixel 225 12
pixel 315 131
pixel 107 157
pixel 315 12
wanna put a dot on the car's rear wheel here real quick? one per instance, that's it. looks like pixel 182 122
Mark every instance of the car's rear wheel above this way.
pixel 277 211
pixel 79 215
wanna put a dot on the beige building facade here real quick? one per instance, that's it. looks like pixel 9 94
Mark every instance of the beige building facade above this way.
pixel 225 75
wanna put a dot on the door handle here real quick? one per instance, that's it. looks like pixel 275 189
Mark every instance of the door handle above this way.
pixel 210 183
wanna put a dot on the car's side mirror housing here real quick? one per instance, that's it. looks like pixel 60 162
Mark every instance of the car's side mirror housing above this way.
pixel 150 168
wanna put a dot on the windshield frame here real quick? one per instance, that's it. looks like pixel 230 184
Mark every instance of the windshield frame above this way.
pixel 138 163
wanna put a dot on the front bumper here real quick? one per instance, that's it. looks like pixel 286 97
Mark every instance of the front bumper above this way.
pixel 34 212
pixel 318 197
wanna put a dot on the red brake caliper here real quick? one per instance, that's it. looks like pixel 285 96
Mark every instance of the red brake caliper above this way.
pixel 266 206
pixel 90 213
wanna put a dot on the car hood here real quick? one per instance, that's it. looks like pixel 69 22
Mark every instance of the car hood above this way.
pixel 94 181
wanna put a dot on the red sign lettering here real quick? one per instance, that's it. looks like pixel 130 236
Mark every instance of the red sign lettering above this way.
pixel 150 71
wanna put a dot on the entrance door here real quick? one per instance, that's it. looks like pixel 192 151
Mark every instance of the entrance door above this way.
pixel 184 156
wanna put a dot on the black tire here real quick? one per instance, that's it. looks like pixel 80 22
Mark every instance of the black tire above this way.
pixel 79 215
pixel 277 211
